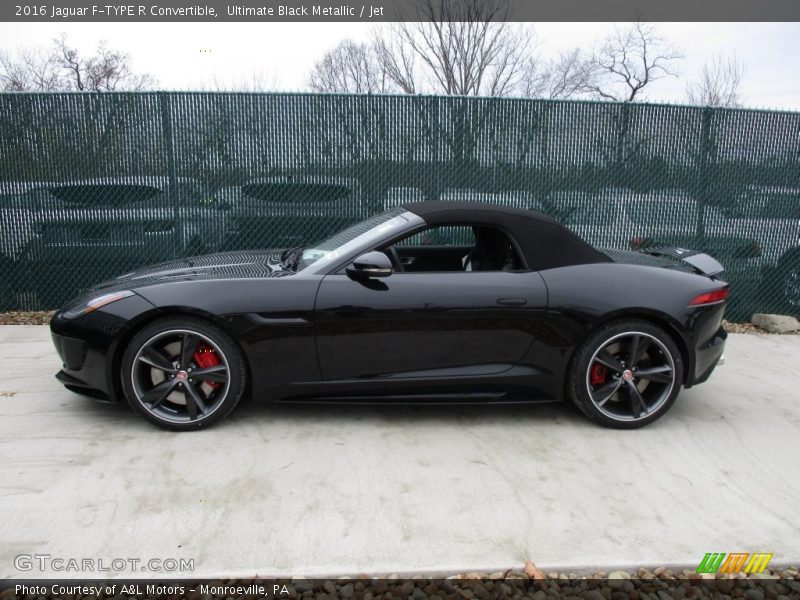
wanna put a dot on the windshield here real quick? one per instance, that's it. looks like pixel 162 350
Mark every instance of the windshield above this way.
pixel 332 247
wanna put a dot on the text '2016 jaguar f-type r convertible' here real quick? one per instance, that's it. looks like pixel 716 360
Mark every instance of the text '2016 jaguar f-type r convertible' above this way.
pixel 433 302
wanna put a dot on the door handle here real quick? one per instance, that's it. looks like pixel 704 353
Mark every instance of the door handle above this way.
pixel 512 301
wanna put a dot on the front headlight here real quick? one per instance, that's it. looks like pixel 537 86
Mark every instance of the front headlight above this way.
pixel 84 308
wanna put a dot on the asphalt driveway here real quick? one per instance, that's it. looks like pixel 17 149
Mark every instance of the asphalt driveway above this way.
pixel 328 490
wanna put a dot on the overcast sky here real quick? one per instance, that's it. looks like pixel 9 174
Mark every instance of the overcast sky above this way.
pixel 192 55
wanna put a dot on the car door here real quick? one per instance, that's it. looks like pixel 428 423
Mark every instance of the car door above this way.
pixel 418 324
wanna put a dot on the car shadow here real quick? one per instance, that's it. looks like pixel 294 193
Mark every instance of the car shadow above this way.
pixel 255 413
pixel 497 413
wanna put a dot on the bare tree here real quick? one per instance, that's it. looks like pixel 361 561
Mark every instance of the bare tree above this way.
pixel 107 70
pixel 63 67
pixel 719 84
pixel 566 76
pixel 454 47
pixel 628 61
pixel 464 47
pixel 350 67
pixel 29 69
pixel 397 61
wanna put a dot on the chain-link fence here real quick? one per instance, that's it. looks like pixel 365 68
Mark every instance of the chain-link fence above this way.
pixel 93 185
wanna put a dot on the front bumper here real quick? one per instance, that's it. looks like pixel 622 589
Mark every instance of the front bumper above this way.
pixel 83 367
pixel 87 346
pixel 82 388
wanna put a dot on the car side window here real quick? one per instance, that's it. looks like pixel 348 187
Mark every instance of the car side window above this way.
pixel 448 248
pixel 453 235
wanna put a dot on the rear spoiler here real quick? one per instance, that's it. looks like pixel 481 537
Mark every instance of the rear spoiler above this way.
pixel 703 263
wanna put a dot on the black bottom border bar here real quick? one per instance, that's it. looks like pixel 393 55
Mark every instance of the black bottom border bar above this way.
pixel 776 584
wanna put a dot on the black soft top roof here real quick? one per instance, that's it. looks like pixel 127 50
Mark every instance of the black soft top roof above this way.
pixel 545 243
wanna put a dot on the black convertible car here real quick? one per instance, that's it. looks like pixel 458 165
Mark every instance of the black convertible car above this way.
pixel 434 302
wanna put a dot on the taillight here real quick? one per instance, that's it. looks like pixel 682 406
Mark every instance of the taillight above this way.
pixel 710 297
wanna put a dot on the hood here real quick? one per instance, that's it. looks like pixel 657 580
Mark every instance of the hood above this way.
pixel 243 264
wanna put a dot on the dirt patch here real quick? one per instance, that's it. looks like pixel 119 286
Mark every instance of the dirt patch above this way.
pixel 21 317
pixel 742 328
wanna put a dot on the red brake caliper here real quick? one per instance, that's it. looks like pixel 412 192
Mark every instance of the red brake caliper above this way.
pixel 206 357
pixel 598 374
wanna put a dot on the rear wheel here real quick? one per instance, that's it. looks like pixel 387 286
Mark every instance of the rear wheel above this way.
pixel 626 374
pixel 183 373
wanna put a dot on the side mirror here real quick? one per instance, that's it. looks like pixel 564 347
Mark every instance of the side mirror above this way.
pixel 371 264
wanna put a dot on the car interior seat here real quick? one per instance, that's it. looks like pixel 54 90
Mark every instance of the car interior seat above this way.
pixel 492 251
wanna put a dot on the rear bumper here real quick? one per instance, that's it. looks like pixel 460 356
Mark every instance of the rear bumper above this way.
pixel 708 356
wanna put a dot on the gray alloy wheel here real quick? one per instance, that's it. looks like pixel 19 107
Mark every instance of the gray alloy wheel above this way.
pixel 182 373
pixel 630 376
pixel 626 374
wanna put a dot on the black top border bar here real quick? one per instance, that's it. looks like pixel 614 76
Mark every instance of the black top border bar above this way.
pixel 393 10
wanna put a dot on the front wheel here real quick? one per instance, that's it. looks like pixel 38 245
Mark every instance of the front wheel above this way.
pixel 626 374
pixel 183 373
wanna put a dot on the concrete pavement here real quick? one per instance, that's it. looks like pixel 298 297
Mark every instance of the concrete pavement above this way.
pixel 330 490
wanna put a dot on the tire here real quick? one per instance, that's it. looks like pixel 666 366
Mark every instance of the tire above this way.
pixel 610 390
pixel 164 391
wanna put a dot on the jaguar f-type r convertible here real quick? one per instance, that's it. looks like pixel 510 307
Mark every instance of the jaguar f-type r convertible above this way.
pixel 433 302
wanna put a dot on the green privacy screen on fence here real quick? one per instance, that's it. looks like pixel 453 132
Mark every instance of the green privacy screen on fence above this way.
pixel 93 185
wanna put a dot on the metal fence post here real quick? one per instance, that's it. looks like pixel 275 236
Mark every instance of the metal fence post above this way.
pixel 169 150
pixel 703 174
pixel 437 157
pixel 169 136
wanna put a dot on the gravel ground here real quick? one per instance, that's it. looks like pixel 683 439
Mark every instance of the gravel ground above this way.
pixel 742 328
pixel 529 583
pixel 533 583
pixel 19 317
